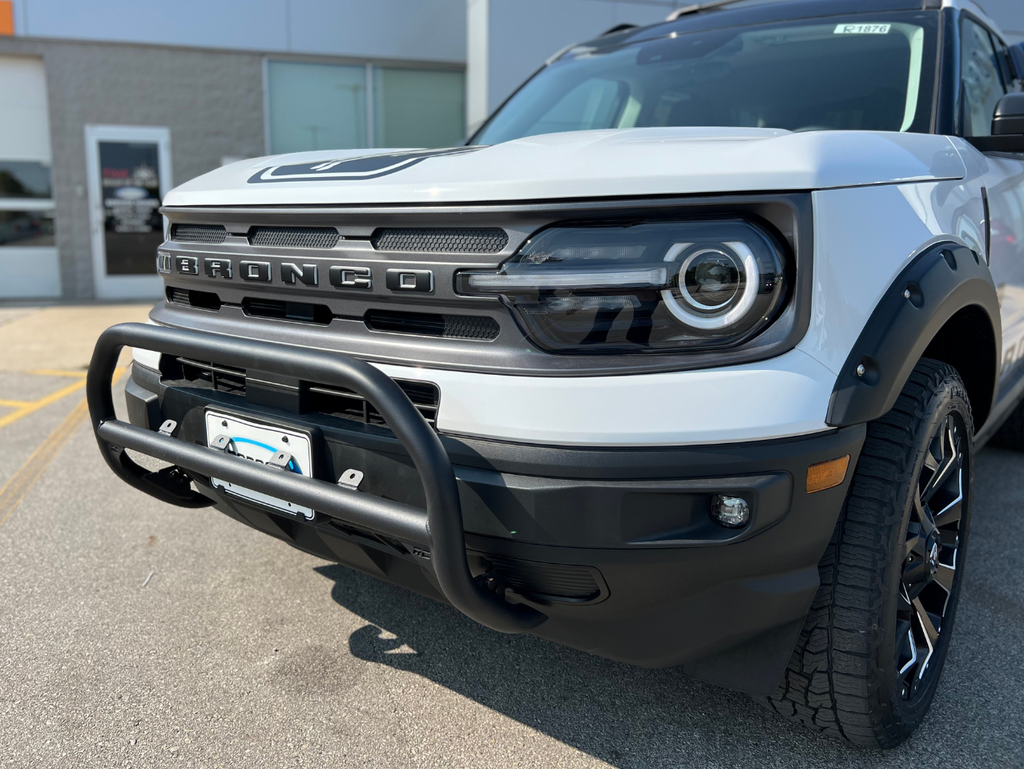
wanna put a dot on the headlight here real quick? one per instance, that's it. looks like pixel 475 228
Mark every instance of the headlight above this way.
pixel 647 287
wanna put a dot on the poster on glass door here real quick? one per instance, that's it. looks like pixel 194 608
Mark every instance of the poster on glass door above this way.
pixel 133 227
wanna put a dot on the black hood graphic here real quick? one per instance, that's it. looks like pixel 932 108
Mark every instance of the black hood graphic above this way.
pixel 352 169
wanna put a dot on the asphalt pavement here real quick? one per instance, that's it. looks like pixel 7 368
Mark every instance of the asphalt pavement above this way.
pixel 133 634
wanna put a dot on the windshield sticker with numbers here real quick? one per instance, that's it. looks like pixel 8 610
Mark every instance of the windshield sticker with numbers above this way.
pixel 863 29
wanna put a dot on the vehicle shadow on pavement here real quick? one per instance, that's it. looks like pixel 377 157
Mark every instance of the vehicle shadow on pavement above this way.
pixel 633 717
pixel 601 707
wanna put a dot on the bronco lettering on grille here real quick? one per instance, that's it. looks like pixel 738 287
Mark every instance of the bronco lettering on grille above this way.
pixel 343 276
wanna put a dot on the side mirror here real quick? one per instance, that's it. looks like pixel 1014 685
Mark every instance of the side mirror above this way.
pixel 1007 127
pixel 1009 117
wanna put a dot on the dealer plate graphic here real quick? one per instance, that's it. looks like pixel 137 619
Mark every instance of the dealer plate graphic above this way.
pixel 258 443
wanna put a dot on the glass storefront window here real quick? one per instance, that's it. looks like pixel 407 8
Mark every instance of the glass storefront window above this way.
pixel 325 106
pixel 24 179
pixel 316 106
pixel 418 108
pixel 26 228
pixel 26 205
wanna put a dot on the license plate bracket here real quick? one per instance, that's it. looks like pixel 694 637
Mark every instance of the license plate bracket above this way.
pixel 259 441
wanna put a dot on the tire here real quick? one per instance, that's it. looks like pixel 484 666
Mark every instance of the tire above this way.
pixel 1011 434
pixel 861 669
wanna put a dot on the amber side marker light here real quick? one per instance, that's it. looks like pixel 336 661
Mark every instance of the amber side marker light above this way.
pixel 826 475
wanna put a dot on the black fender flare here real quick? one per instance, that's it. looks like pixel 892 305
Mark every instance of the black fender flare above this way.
pixel 941 281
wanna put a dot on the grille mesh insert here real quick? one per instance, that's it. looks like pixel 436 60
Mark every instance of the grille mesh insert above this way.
pixel 429 324
pixel 202 299
pixel 343 403
pixel 441 241
pixel 198 233
pixel 300 311
pixel 294 237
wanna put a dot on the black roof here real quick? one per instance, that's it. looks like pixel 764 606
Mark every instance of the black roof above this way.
pixel 760 12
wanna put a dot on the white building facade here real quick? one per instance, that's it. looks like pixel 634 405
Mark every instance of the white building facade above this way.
pixel 107 104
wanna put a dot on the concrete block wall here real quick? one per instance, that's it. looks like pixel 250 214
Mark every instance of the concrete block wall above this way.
pixel 212 101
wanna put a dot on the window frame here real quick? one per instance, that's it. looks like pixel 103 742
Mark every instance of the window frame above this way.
pixel 996 41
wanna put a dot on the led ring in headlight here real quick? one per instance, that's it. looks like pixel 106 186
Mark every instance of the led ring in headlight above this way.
pixel 739 307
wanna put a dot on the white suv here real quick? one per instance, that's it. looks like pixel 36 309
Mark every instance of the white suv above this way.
pixel 682 360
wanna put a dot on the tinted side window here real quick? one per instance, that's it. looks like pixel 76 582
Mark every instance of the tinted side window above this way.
pixel 982 82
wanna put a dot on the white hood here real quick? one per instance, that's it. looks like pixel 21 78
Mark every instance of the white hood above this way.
pixel 582 164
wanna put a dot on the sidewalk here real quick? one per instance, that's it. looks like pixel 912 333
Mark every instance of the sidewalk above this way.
pixel 58 337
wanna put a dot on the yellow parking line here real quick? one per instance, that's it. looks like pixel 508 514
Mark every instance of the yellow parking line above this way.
pixel 21 483
pixel 15 404
pixel 34 406
pixel 58 372
pixel 30 407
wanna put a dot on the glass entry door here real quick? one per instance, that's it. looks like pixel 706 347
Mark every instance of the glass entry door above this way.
pixel 129 175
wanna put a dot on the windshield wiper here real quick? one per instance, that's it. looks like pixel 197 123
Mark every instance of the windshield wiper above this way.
pixel 698 7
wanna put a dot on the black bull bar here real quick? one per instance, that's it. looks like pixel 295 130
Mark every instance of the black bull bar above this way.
pixel 438 529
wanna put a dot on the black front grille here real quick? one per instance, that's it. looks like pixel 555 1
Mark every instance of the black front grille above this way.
pixel 551 581
pixel 340 402
pixel 440 241
pixel 198 233
pixel 294 237
pixel 202 299
pixel 428 324
pixel 315 398
pixel 298 311
pixel 222 378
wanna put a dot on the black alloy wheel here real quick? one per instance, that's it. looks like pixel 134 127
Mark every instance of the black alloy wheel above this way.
pixel 930 571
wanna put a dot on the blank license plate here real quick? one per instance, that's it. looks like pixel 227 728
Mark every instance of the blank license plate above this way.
pixel 259 443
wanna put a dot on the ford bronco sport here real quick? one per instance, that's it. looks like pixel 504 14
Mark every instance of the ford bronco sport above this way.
pixel 682 360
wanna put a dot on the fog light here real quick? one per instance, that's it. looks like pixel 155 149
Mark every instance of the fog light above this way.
pixel 731 512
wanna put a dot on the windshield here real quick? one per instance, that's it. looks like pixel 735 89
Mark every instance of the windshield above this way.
pixel 872 73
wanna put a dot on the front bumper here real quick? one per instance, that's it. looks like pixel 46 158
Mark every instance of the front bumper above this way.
pixel 609 550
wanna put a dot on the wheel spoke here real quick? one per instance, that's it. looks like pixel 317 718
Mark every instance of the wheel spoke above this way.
pixel 923 617
pixel 903 604
pixel 924 516
pixel 931 461
pixel 913 651
pixel 941 477
pixel 944 575
pixel 916 577
pixel 915 545
pixel 931 635
pixel 950 513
